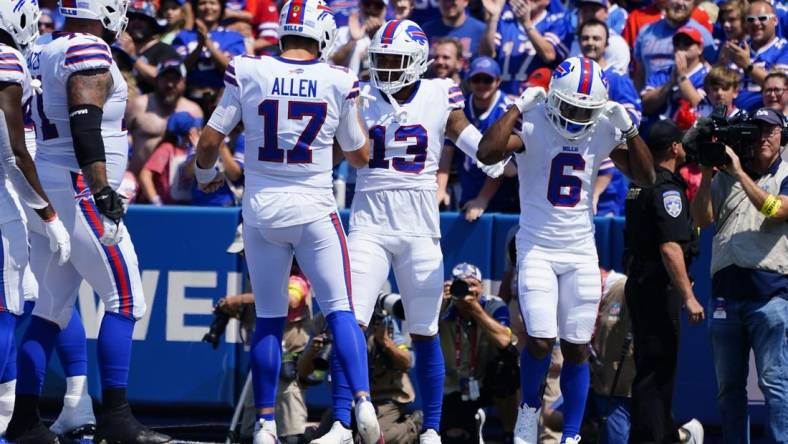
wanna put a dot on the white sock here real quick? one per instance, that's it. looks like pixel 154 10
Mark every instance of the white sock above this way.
pixel 76 387
pixel 7 398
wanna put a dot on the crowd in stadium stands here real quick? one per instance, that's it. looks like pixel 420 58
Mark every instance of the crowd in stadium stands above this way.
pixel 665 59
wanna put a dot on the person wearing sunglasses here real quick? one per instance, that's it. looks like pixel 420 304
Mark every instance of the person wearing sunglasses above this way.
pixel 765 51
pixel 479 192
pixel 775 91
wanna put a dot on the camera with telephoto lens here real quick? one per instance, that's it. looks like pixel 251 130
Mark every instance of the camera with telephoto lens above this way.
pixel 705 143
pixel 389 304
pixel 218 326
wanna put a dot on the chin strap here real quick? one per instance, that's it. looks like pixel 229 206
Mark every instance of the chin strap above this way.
pixel 401 114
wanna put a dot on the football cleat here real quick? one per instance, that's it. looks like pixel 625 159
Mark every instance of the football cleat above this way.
pixel 265 432
pixel 367 421
pixel 525 430
pixel 119 426
pixel 337 435
pixel 430 436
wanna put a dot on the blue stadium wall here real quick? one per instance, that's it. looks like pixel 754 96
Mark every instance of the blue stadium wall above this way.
pixel 185 270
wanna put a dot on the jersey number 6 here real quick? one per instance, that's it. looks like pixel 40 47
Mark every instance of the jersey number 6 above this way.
pixel 563 190
pixel 301 152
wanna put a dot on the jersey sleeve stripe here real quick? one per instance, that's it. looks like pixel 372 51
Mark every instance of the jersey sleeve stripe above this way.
pixel 92 46
pixel 8 56
pixel 230 69
pixel 352 94
pixel 11 67
pixel 230 80
pixel 456 99
pixel 85 57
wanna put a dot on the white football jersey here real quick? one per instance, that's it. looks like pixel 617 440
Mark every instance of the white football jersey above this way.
pixel 405 155
pixel 66 54
pixel 13 69
pixel 291 111
pixel 557 179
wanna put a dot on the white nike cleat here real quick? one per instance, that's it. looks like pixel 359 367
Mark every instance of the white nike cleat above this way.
pixel 265 432
pixel 525 430
pixel 574 440
pixel 367 421
pixel 337 435
pixel 694 430
pixel 77 414
pixel 430 436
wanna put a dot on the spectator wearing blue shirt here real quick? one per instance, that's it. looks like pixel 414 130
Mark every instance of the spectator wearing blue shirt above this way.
pixel 654 45
pixel 765 51
pixel 485 104
pixel 683 81
pixel 455 22
pixel 208 48
pixel 353 40
pixel 425 11
pixel 729 27
pixel 592 39
pixel 617 51
pixel 522 36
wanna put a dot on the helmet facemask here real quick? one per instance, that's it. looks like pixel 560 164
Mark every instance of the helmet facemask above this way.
pixel 572 116
pixel 392 70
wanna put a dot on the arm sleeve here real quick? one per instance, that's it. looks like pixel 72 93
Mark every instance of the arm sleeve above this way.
pixel 228 112
pixel 86 53
pixel 11 66
pixel 350 134
pixel 671 215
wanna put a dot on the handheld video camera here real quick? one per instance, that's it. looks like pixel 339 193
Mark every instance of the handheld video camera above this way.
pixel 706 142
pixel 389 304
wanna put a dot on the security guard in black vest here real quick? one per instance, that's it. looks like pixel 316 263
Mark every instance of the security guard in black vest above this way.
pixel 658 234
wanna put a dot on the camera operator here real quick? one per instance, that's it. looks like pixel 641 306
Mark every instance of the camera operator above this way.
pixel 390 359
pixel 658 236
pixel 475 335
pixel 748 203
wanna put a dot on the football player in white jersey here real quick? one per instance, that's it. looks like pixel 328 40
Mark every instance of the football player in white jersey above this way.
pixel 81 157
pixel 394 220
pixel 18 31
pixel 559 144
pixel 294 107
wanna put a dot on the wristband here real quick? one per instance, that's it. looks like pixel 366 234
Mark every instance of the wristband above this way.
pixel 683 78
pixel 631 132
pixel 204 175
pixel 771 206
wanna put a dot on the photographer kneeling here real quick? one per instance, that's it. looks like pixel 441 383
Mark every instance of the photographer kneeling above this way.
pixel 748 202
pixel 476 340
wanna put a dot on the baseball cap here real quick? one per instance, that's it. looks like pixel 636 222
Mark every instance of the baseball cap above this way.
pixel 540 77
pixel 484 65
pixel 465 270
pixel 145 9
pixel 171 65
pixel 690 32
pixel 181 122
pixel 662 135
pixel 602 3
pixel 769 116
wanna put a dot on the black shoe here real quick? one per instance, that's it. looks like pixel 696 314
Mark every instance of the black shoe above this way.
pixel 119 426
pixel 39 434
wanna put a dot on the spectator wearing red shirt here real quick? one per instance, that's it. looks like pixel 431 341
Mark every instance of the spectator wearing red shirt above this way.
pixel 162 179
pixel 640 18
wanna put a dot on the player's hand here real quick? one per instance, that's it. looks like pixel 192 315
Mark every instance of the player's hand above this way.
pixel 694 311
pixel 620 119
pixel 474 208
pixel 59 240
pixel 530 98
pixel 443 197
pixel 110 205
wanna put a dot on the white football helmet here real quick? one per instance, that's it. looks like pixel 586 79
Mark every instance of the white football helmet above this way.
pixel 402 38
pixel 577 95
pixel 19 18
pixel 111 13
pixel 309 18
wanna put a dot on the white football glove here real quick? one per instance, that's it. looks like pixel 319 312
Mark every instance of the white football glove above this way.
pixel 530 98
pixel 620 119
pixel 59 240
pixel 113 232
pixel 495 170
